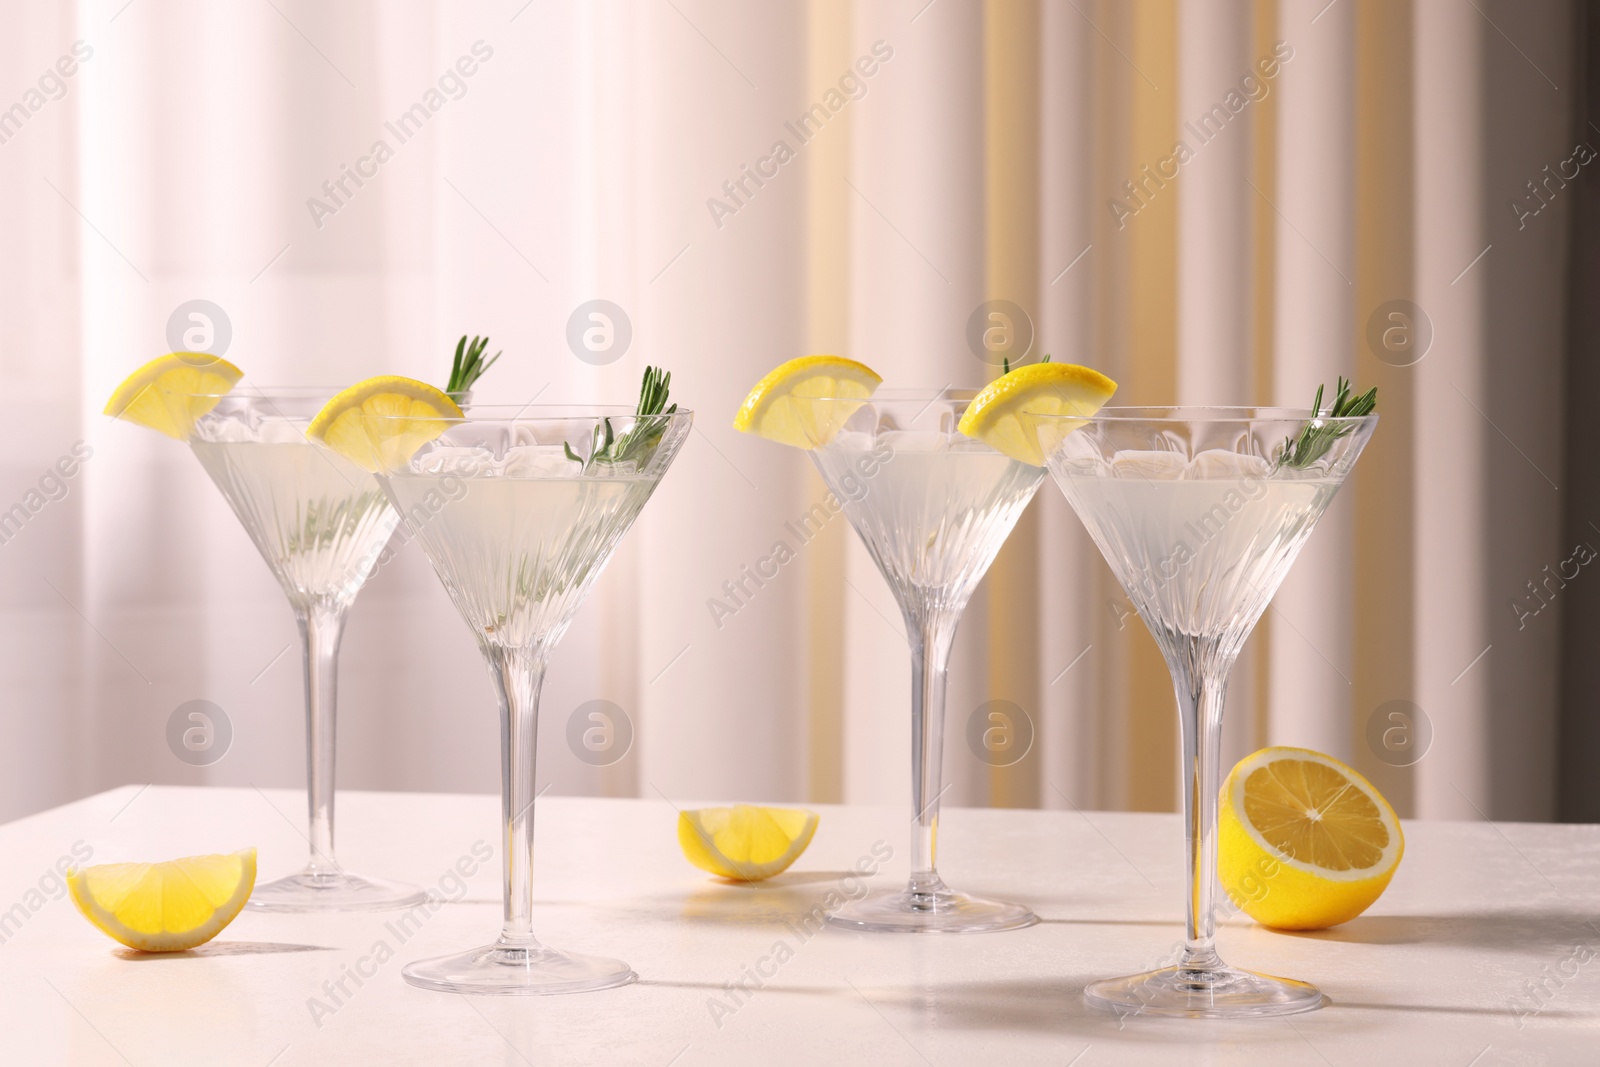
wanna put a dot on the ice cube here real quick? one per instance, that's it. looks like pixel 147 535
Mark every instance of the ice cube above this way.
pixel 1136 463
pixel 280 432
pixel 522 434
pixel 539 461
pixel 916 440
pixel 1077 452
pixel 248 428
pixel 962 443
pixel 221 429
pixel 851 441
pixel 1217 463
pixel 467 461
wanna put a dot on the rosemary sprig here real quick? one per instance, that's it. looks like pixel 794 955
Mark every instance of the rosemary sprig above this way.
pixel 649 424
pixel 1005 363
pixel 469 365
pixel 1317 436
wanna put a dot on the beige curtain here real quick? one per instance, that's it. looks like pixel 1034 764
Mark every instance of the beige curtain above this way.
pixel 1343 157
pixel 1339 158
pixel 1024 150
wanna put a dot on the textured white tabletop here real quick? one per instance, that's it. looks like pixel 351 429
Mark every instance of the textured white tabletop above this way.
pixel 1482 952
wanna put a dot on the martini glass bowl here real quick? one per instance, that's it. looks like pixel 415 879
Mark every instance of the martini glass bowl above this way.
pixel 519 510
pixel 321 523
pixel 932 506
pixel 1200 513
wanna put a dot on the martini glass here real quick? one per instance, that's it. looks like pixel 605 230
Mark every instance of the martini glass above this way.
pixel 1200 513
pixel 518 532
pixel 320 522
pixel 932 506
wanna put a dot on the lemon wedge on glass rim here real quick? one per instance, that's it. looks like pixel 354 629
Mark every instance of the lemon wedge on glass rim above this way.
pixel 745 843
pixel 995 415
pixel 165 907
pixel 1303 841
pixel 421 412
pixel 784 406
pixel 172 392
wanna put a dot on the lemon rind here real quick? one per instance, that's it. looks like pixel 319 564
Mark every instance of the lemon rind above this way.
pixel 997 399
pixel 763 393
pixel 1234 799
pixel 1008 397
pixel 143 378
pixel 166 940
pixel 747 871
pixel 787 380
pixel 355 398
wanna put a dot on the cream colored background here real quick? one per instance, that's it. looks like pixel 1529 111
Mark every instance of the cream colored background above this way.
pixel 978 165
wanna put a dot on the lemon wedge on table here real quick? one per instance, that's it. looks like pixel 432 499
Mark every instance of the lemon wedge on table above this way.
pixel 383 446
pixel 782 407
pixel 1304 842
pixel 172 392
pixel 745 843
pixel 995 414
pixel 165 907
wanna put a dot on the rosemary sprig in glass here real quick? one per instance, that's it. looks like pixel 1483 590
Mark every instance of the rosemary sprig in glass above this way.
pixel 649 424
pixel 469 365
pixel 1318 436
pixel 1005 363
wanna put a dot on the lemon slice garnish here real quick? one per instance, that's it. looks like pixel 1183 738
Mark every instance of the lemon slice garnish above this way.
pixel 778 407
pixel 172 392
pixel 165 907
pixel 386 445
pixel 994 416
pixel 745 843
pixel 1304 842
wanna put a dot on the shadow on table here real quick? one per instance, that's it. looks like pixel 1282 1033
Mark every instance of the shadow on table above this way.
pixel 790 896
pixel 215 949
pixel 786 880
pixel 1056 1006
pixel 1111 922
pixel 1533 930
pixel 721 901
pixel 1051 1006
pixel 1470 1011
pixel 795 893
pixel 774 901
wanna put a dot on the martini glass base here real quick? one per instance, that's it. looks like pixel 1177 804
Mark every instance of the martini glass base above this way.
pixel 305 891
pixel 506 970
pixel 1218 992
pixel 937 911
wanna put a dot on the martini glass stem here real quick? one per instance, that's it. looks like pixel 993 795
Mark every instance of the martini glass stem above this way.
pixel 931 638
pixel 1200 677
pixel 518 675
pixel 321 628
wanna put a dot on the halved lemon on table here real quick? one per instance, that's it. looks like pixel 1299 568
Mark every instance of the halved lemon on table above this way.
pixel 165 907
pixel 1304 842
pixel 995 414
pixel 172 392
pixel 745 843
pixel 418 413
pixel 806 401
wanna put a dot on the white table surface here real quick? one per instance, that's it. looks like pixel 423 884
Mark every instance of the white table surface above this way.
pixel 1431 975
